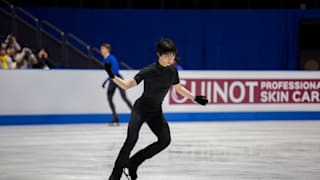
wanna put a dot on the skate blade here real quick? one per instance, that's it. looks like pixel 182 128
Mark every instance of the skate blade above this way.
pixel 126 173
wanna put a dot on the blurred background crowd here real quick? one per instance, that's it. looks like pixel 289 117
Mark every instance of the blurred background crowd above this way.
pixel 13 55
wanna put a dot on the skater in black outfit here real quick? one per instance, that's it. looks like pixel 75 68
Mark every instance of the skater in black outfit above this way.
pixel 158 78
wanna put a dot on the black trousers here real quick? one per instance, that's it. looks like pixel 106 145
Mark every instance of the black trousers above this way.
pixel 157 124
pixel 110 92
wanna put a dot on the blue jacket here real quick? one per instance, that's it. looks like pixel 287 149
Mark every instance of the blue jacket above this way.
pixel 114 64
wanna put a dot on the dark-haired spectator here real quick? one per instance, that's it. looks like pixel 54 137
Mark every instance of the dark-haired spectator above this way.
pixel 25 59
pixel 44 61
pixel 11 52
pixel 11 42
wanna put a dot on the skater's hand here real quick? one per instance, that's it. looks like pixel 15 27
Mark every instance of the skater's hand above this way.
pixel 201 100
pixel 104 83
pixel 107 68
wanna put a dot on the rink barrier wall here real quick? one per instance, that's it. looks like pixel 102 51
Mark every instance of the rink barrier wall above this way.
pixel 76 96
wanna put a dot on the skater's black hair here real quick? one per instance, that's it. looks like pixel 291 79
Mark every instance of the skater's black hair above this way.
pixel 166 46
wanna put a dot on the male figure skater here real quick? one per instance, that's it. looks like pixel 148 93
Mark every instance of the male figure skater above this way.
pixel 109 58
pixel 158 78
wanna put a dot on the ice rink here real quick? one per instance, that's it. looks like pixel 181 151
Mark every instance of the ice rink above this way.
pixel 259 150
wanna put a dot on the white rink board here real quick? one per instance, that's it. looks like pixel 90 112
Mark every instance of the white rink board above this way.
pixel 26 92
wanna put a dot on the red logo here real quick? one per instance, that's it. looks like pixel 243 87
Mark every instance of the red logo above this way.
pixel 251 91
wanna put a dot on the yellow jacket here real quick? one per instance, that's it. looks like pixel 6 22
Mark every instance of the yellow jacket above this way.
pixel 4 62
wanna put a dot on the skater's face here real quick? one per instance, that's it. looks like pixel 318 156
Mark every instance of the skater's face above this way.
pixel 104 51
pixel 167 59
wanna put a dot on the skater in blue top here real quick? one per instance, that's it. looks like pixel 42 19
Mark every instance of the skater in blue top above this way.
pixel 105 50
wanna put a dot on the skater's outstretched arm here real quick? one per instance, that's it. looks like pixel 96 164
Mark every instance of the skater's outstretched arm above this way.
pixel 124 84
pixel 120 82
pixel 186 93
